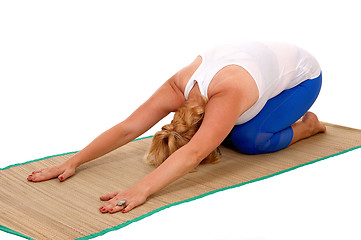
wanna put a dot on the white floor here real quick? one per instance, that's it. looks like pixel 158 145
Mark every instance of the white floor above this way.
pixel 71 69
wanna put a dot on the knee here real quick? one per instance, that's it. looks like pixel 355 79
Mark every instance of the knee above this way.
pixel 252 143
pixel 256 143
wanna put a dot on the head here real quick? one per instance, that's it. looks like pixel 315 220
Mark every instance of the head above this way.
pixel 185 124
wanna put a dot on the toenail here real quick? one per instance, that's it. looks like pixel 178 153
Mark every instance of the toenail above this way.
pixel 111 210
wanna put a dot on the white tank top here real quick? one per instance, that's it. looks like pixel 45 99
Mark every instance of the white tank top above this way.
pixel 274 67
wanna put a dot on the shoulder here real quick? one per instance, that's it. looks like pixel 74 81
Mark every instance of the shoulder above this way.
pixel 234 80
pixel 170 96
pixel 180 79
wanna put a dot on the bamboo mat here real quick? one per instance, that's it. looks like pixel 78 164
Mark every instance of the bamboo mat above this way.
pixel 69 210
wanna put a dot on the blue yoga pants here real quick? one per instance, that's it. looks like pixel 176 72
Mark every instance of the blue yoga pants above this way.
pixel 270 130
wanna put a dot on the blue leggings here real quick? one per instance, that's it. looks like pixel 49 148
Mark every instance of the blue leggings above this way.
pixel 270 130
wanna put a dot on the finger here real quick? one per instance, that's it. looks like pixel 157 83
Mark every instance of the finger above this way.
pixel 65 175
pixel 41 176
pixel 116 209
pixel 110 206
pixel 103 209
pixel 30 178
pixel 108 196
pixel 128 208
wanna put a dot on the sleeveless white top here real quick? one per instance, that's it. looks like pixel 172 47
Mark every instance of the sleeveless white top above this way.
pixel 274 67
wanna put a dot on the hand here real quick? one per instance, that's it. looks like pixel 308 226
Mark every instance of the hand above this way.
pixel 133 197
pixel 62 172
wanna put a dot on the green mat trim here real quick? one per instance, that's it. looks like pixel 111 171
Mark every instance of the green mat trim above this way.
pixel 94 235
pixel 8 230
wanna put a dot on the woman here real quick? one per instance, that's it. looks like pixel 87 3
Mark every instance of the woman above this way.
pixel 248 95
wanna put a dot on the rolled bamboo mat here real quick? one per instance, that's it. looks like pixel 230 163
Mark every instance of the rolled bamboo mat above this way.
pixel 70 209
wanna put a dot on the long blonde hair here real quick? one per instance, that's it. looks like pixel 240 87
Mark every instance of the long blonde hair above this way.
pixel 186 122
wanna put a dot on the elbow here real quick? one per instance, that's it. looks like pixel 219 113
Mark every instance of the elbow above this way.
pixel 198 155
pixel 195 157
pixel 121 134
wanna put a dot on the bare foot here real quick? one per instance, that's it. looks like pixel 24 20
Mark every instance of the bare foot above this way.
pixel 309 126
pixel 62 172
pixel 315 126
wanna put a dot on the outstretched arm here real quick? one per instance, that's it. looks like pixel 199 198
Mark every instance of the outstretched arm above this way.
pixel 141 120
pixel 146 116
pixel 222 111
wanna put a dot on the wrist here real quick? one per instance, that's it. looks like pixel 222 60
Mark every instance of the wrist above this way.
pixel 72 162
pixel 143 188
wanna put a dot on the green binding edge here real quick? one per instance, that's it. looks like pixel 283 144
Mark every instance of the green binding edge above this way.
pixel 94 235
pixel 24 163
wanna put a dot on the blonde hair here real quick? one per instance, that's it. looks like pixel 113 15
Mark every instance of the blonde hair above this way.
pixel 185 124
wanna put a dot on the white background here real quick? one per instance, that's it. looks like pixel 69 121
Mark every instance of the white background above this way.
pixel 69 70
